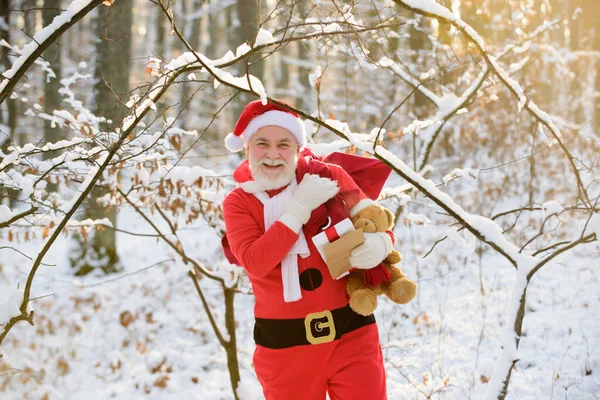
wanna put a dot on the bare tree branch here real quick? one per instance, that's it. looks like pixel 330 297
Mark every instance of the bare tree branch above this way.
pixel 18 217
pixel 54 32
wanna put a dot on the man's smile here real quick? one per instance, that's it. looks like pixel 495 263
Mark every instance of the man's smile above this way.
pixel 273 167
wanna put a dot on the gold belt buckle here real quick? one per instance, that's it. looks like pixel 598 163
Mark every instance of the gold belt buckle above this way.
pixel 319 325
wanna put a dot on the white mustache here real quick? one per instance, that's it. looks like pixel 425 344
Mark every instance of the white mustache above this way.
pixel 272 162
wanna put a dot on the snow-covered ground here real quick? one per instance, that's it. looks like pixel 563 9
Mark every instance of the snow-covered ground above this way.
pixel 145 334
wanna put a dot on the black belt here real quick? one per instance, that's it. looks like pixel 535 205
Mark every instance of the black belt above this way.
pixel 321 327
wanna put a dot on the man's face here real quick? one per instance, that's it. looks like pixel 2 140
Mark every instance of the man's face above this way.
pixel 273 153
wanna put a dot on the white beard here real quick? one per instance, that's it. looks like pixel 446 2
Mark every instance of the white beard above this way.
pixel 265 182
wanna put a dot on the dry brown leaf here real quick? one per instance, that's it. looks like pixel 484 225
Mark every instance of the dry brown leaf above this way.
pixel 140 347
pixel 63 366
pixel 126 318
pixel 161 381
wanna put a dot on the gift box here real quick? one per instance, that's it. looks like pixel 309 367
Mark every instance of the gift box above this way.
pixel 335 244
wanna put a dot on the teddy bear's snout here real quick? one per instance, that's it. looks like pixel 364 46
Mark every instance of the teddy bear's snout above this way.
pixel 366 225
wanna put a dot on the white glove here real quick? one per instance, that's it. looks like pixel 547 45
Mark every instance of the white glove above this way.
pixel 372 252
pixel 310 194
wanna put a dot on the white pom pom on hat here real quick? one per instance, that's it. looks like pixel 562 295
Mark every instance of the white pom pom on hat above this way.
pixel 234 143
pixel 257 115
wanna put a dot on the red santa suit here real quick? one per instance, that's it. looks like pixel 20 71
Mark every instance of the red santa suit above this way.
pixel 317 343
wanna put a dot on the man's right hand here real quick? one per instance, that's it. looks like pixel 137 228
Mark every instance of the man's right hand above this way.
pixel 310 194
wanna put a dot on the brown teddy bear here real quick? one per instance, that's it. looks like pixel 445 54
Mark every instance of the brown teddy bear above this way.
pixel 363 298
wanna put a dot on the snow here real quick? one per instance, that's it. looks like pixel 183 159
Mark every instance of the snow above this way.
pixel 458 172
pixel 314 76
pixel 552 207
pixel 12 306
pixel 463 238
pixel 406 76
pixel 430 7
pixel 154 360
pixel 75 7
pixel 134 99
pixel 243 49
pixel 594 225
pixel 443 346
pixel 509 351
pixel 419 219
pixel 324 149
pixel 455 340
pixel 263 37
pixel 5 213
pixel 188 175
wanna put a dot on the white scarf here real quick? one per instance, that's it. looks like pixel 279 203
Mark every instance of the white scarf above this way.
pixel 273 210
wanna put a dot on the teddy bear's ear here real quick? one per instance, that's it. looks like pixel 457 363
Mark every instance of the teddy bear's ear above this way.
pixel 391 218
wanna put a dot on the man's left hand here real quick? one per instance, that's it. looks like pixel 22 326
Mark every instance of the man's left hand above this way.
pixel 372 252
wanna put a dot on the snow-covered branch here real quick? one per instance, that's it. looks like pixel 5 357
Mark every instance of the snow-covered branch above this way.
pixel 41 41
pixel 7 217
pixel 432 9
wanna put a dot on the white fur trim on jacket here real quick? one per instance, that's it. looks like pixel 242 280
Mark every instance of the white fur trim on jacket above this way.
pixel 361 205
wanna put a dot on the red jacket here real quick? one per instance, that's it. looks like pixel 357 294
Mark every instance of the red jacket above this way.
pixel 261 253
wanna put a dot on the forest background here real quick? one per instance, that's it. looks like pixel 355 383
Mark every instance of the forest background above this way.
pixel 113 168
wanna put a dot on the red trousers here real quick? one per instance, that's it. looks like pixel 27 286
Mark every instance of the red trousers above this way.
pixel 349 368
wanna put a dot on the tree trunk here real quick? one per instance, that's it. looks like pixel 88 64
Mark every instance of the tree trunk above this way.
pixel 160 32
pixel 52 98
pixel 304 101
pixel 5 6
pixel 192 35
pixel 249 16
pixel 231 349
pixel 592 27
pixel 518 330
pixel 575 26
pixel 30 16
pixel 597 91
pixel 8 116
pixel 111 79
pixel 418 42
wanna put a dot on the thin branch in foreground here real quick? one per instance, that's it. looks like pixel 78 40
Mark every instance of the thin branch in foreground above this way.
pixel 24 62
pixel 18 216
pixel 193 274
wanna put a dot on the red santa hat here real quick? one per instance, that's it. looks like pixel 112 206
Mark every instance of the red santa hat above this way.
pixel 257 115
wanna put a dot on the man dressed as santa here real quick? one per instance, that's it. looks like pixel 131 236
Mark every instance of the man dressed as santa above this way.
pixel 308 340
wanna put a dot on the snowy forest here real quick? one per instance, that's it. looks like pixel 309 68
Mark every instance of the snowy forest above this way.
pixel 113 282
